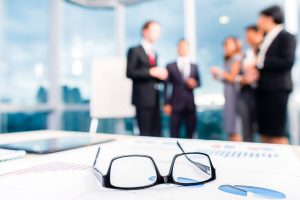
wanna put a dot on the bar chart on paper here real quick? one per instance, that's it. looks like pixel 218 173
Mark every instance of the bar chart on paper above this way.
pixel 239 156
pixel 233 151
pixel 221 149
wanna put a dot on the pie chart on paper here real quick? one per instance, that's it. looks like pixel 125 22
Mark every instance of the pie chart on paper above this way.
pixel 241 190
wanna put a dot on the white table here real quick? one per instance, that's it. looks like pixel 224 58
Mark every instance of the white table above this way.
pixel 73 190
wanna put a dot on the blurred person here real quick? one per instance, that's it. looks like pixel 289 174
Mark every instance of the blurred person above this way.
pixel 247 80
pixel 233 59
pixel 275 60
pixel 179 97
pixel 143 70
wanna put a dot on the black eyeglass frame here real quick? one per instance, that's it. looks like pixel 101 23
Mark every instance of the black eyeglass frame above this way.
pixel 106 182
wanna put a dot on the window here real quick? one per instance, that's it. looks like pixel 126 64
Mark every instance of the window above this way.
pixel 24 62
pixel 24 51
pixel 87 34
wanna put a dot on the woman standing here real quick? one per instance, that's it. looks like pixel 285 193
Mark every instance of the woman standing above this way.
pixel 229 76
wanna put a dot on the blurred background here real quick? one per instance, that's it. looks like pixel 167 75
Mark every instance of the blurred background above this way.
pixel 47 47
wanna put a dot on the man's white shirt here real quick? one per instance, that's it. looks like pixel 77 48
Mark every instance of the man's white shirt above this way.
pixel 148 47
pixel 184 66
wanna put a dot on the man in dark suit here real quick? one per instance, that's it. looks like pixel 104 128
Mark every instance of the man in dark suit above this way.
pixel 142 69
pixel 275 60
pixel 179 98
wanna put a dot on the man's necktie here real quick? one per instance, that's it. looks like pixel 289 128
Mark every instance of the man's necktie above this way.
pixel 151 57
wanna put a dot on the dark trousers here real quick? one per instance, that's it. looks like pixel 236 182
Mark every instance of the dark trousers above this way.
pixel 247 112
pixel 148 119
pixel 188 117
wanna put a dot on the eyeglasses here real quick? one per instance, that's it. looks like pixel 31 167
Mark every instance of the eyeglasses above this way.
pixel 131 172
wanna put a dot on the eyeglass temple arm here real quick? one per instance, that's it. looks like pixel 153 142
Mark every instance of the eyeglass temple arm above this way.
pixel 96 158
pixel 202 167
pixel 95 161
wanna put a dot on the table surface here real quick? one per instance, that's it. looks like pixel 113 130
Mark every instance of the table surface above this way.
pixel 88 190
pixel 45 134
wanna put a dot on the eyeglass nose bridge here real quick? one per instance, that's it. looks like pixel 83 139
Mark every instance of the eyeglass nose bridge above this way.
pixel 166 179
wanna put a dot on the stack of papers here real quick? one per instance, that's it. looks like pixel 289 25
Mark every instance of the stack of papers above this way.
pixel 10 154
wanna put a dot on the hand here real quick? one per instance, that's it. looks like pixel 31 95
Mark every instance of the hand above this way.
pixel 216 72
pixel 249 63
pixel 159 73
pixel 251 76
pixel 255 62
pixel 191 83
pixel 168 109
pixel 247 66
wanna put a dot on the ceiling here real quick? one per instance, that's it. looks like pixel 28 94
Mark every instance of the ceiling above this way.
pixel 104 3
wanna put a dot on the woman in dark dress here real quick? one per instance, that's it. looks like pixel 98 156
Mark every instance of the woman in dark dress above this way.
pixel 275 60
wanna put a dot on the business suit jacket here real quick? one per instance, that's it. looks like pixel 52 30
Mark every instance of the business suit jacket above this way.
pixel 182 97
pixel 144 93
pixel 279 60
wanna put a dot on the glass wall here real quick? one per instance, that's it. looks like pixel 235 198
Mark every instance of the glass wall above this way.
pixel 25 51
pixel 87 34
pixel 24 63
